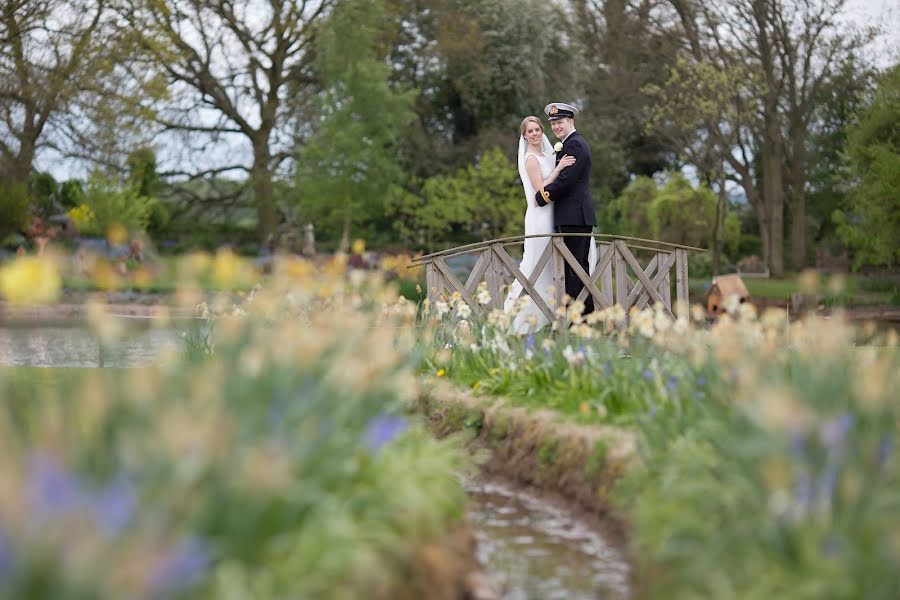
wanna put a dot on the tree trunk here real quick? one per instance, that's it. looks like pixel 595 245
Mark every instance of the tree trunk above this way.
pixel 344 246
pixel 798 203
pixel 773 191
pixel 261 179
pixel 718 234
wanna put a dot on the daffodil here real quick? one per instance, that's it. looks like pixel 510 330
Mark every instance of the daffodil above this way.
pixel 30 280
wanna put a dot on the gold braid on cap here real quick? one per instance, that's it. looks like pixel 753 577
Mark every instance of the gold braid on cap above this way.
pixel 545 195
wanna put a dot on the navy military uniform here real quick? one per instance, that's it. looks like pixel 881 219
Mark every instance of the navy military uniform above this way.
pixel 573 208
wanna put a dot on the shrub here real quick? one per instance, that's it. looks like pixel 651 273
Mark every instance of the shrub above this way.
pixel 13 209
pixel 108 204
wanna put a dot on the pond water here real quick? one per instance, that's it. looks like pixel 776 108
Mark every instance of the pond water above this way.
pixel 70 345
pixel 529 548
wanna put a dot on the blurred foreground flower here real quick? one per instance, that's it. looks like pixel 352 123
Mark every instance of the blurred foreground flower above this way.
pixel 30 280
pixel 382 430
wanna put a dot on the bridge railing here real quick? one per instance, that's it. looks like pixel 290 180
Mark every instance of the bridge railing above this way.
pixel 617 278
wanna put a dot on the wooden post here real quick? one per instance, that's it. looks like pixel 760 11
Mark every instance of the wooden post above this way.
pixel 622 287
pixel 495 280
pixel 431 282
pixel 665 287
pixel 559 274
pixel 681 277
pixel 606 277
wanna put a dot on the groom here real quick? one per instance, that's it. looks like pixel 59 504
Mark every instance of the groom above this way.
pixel 573 209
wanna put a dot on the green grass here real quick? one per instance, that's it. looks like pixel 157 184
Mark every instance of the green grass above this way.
pixel 856 290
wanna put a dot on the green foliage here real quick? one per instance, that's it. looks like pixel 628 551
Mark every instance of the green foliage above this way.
pixel 265 469
pixel 870 225
pixel 109 204
pixel 345 170
pixel 482 201
pixel 71 194
pixel 678 213
pixel 44 191
pixel 142 174
pixel 13 209
pixel 838 100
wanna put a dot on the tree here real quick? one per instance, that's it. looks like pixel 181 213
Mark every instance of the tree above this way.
pixel 348 165
pixel 870 224
pixel 837 103
pixel 788 49
pixel 48 55
pixel 677 212
pixel 481 66
pixel 238 71
pixel 477 202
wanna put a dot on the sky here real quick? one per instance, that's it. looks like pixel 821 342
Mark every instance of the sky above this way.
pixel 884 13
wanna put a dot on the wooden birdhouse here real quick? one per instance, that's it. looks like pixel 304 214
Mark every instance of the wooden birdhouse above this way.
pixel 721 289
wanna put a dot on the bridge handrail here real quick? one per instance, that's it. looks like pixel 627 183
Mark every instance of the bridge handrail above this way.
pixel 520 238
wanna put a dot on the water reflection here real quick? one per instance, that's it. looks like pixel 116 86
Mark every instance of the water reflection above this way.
pixel 76 346
pixel 539 551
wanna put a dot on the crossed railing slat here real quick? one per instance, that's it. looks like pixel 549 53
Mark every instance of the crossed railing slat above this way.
pixel 609 283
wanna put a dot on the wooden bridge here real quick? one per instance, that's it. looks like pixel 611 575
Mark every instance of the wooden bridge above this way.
pixel 618 277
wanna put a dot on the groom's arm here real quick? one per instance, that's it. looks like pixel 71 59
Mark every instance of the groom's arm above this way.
pixel 565 181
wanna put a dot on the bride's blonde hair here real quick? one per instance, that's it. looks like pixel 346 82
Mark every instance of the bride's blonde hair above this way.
pixel 525 123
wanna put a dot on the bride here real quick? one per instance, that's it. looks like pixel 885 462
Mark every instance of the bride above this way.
pixel 536 169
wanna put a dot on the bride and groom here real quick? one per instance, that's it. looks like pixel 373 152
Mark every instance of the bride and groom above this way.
pixel 557 192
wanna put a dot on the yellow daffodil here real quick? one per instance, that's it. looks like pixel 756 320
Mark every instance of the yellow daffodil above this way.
pixel 30 280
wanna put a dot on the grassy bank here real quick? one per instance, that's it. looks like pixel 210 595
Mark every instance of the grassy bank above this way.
pixel 766 462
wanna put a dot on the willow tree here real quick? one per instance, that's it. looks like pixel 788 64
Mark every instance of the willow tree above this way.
pixel 236 70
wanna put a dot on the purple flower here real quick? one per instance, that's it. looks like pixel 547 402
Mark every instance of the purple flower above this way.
pixel 803 491
pixel 827 483
pixel 798 443
pixel 647 374
pixel 672 383
pixel 114 506
pixel 885 449
pixel 607 368
pixel 529 341
pixel 833 433
pixel 382 429
pixel 182 567
pixel 701 381
pixel 51 490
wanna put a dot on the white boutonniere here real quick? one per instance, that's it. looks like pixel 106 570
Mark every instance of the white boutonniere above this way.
pixel 557 147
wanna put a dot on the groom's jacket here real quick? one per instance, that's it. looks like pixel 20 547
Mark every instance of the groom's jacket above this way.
pixel 570 193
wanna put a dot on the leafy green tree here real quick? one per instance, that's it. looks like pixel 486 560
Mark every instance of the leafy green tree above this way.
pixel 677 212
pixel 71 193
pixel 345 169
pixel 870 224
pixel 109 205
pixel 45 192
pixel 477 202
pixel 13 208
pixel 629 213
pixel 836 104
pixel 142 173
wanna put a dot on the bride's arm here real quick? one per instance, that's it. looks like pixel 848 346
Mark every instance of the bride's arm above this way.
pixel 534 171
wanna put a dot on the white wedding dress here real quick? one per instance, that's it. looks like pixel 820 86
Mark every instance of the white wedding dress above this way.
pixel 538 220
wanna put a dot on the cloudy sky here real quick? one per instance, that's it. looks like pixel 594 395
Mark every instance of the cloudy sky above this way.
pixel 883 13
